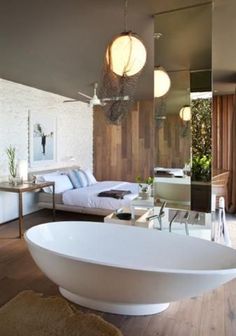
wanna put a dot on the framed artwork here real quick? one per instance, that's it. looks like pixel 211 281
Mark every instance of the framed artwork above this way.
pixel 42 129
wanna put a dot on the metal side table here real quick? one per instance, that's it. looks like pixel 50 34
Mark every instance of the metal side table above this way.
pixel 27 187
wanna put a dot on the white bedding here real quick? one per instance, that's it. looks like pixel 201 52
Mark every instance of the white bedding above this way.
pixel 87 196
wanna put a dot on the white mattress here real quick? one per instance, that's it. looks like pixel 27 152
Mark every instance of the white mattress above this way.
pixel 87 196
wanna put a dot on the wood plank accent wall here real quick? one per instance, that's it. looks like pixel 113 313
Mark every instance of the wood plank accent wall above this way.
pixel 125 151
pixel 173 145
pixel 223 107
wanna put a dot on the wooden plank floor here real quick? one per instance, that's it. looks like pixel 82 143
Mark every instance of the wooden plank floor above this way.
pixel 207 315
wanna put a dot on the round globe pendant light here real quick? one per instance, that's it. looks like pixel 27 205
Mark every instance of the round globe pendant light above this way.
pixel 161 82
pixel 126 55
pixel 185 113
pixel 125 58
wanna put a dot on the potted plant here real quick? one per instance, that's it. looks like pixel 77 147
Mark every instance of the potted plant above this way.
pixel 11 154
pixel 201 183
pixel 145 186
pixel 201 168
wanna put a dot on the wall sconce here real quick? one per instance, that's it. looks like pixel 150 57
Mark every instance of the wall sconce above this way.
pixel 161 82
pixel 160 121
pixel 69 158
pixel 185 113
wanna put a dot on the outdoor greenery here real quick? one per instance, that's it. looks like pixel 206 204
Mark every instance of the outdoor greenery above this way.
pixel 201 140
pixel 201 168
pixel 201 127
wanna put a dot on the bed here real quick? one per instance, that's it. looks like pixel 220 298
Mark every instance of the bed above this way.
pixel 85 199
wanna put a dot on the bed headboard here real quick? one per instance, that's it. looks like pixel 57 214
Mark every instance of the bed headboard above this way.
pixel 46 171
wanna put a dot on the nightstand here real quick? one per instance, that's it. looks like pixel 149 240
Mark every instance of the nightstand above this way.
pixel 27 187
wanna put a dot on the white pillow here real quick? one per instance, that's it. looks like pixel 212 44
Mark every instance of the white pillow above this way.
pixel 40 178
pixel 44 178
pixel 62 182
pixel 90 177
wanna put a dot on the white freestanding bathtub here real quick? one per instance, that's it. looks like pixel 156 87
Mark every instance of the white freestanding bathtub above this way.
pixel 125 269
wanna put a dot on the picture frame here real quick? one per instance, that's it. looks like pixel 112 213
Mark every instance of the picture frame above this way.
pixel 42 138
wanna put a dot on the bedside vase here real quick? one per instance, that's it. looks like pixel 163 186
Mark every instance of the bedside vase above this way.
pixel 14 181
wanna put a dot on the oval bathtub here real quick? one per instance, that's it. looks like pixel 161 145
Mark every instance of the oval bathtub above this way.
pixel 125 269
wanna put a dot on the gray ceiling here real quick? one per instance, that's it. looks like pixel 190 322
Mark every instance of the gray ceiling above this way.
pixel 185 43
pixel 223 47
pixel 59 45
pixel 184 48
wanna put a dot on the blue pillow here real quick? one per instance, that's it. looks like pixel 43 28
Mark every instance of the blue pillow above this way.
pixel 82 178
pixel 74 179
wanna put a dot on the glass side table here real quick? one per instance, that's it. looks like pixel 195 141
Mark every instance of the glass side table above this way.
pixel 138 202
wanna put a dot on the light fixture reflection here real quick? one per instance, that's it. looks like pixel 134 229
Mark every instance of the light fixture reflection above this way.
pixel 161 82
pixel 185 113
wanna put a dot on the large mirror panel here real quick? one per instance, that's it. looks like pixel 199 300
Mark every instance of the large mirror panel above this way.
pixel 183 49
pixel 173 143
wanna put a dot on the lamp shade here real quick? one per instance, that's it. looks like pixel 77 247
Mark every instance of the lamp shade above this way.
pixel 161 82
pixel 185 113
pixel 126 55
pixel 23 170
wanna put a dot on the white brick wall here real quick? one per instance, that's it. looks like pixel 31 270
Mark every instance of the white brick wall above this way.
pixel 74 132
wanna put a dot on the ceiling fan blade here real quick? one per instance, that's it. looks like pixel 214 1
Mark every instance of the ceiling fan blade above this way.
pixel 71 101
pixel 84 95
pixel 116 98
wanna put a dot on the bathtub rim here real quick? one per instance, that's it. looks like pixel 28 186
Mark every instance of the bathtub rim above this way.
pixel 224 271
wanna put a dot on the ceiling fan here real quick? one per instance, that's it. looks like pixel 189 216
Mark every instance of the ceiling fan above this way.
pixel 94 100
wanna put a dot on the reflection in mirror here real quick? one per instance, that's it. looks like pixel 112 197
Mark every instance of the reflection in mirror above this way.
pixel 183 49
pixel 173 143
pixel 201 107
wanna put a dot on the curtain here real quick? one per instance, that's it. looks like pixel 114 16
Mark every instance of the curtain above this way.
pixel 232 151
pixel 224 143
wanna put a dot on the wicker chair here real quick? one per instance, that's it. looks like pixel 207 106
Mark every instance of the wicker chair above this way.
pixel 220 187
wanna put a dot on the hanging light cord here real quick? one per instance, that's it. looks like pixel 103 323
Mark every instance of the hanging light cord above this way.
pixel 125 14
pixel 126 67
